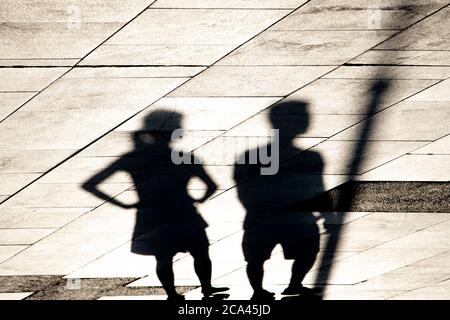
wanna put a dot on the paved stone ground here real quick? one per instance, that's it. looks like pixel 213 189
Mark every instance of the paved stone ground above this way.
pixel 77 79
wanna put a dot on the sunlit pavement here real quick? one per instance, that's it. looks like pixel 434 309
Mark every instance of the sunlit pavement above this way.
pixel 78 78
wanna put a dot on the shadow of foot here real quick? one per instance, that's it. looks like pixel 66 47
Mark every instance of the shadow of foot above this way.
pixel 263 296
pixel 301 290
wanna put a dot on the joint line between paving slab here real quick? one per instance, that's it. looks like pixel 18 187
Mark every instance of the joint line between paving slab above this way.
pixel 412 50
pixel 393 65
pixel 34 91
pixel 386 78
pixel 221 8
pixel 105 66
pixel 19 66
pixel 38 59
pixel 142 66
pixel 440 138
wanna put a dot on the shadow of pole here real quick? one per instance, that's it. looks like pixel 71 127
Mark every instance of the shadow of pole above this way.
pixel 344 202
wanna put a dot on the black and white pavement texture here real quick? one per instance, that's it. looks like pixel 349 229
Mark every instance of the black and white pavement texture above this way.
pixel 78 79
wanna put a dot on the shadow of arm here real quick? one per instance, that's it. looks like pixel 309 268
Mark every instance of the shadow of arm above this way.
pixel 91 186
pixel 210 184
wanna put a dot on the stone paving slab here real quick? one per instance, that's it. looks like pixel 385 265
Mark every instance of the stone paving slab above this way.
pixel 38 40
pixel 412 168
pixel 30 161
pixel 349 294
pixel 204 113
pixel 105 218
pixel 62 195
pixel 234 4
pixel 328 15
pixel 77 170
pixel 404 57
pixel 133 72
pixel 440 146
pixel 11 101
pixel 47 218
pixel 181 43
pixel 348 96
pixel 429 34
pixel 311 47
pixel 336 155
pixel 406 278
pixel 61 253
pixel 439 291
pixel 119 262
pixel 118 93
pixel 62 130
pixel 440 260
pixel 408 120
pixel 23 236
pixel 423 239
pixel 13 182
pixel 369 265
pixel 420 72
pixel 7 252
pixel 195 27
pixel 60 10
pixel 439 92
pixel 162 55
pixel 259 81
pixel 28 79
pixel 39 63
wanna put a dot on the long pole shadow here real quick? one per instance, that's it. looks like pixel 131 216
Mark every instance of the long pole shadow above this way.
pixel 346 198
pixel 344 202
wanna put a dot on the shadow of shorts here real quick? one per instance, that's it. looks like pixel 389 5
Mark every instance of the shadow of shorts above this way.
pixel 299 241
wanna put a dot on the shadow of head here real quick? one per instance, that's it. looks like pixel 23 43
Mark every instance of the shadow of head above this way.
pixel 290 118
pixel 157 128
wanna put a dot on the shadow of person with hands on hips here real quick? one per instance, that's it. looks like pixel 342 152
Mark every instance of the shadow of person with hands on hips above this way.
pixel 167 221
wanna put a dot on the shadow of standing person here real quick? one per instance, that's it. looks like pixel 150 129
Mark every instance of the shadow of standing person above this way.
pixel 267 199
pixel 167 221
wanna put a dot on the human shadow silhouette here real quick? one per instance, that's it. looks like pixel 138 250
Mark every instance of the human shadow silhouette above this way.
pixel 167 221
pixel 267 200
